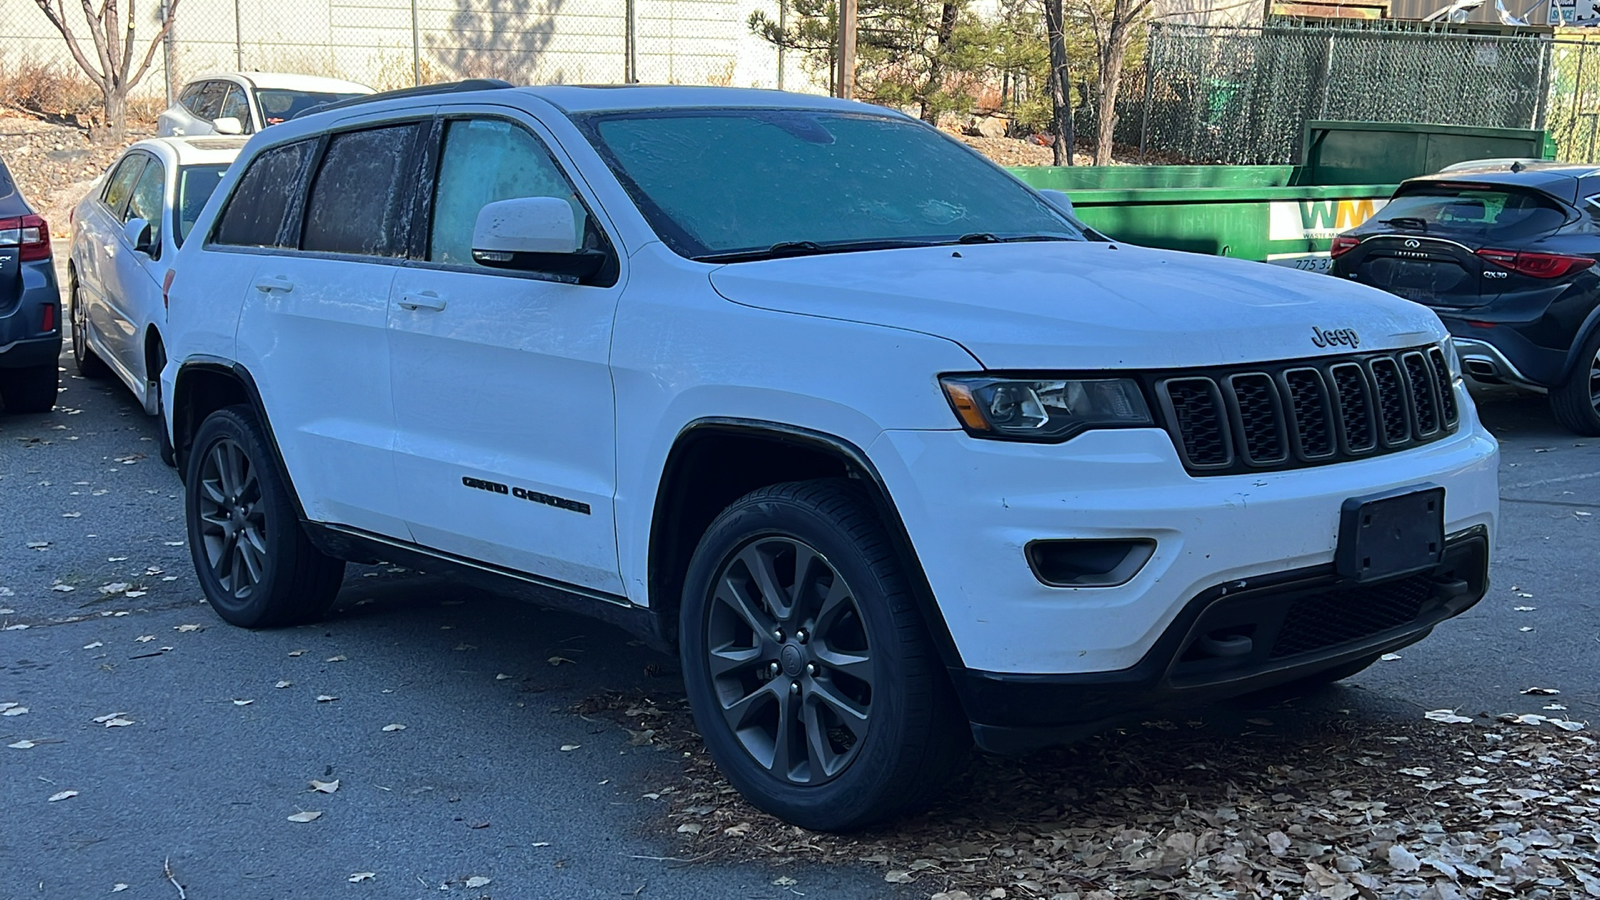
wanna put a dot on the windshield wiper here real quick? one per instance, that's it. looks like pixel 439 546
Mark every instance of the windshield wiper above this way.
pixel 784 249
pixel 1413 223
pixel 989 237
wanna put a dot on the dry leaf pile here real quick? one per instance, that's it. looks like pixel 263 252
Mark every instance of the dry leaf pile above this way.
pixel 1329 809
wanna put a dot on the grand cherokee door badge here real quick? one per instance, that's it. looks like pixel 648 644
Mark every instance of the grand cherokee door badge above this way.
pixel 495 487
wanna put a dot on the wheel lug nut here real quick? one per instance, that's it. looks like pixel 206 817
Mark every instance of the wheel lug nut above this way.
pixel 772 670
pixel 794 687
pixel 811 669
pixel 777 635
pixel 801 636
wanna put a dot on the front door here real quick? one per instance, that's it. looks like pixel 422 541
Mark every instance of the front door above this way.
pixel 503 398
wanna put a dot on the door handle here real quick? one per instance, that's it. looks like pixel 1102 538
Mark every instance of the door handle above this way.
pixel 269 283
pixel 424 300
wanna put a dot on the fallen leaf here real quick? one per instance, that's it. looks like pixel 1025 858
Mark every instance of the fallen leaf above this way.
pixel 145 638
pixel 1390 657
pixel 115 587
pixel 38 545
pixel 335 659
pixel 1471 780
pixel 173 543
pixel 1403 860
pixel 396 726
pixel 134 595
pixel 188 628
pixel 238 702
pixel 119 723
pixel 325 787
pixel 118 888
pixel 297 652
pixel 22 745
pixel 1446 715
pixel 898 876
pixel 558 660
pixel 307 816
pixel 784 881
pixel 71 515
pixel 63 795
pixel 284 684
pixel 15 628
pixel 1526 628
pixel 358 877
pixel 15 711
pixel 501 677
pixel 478 881
pixel 63 588
pixel 1278 843
pixel 1542 691
pixel 1524 608
pixel 690 828
pixel 566 747
pixel 326 698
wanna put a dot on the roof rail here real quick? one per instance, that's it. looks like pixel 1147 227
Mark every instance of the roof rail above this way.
pixel 448 87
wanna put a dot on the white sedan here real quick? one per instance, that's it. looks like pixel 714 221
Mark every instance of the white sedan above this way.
pixel 246 102
pixel 125 232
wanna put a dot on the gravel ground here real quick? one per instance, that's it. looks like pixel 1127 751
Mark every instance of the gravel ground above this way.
pixel 54 164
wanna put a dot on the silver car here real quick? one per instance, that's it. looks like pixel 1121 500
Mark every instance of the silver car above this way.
pixel 246 102
pixel 125 232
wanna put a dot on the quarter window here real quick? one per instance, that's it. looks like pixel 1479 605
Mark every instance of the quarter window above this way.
pixel 121 182
pixel 255 213
pixel 359 199
pixel 486 160
pixel 211 97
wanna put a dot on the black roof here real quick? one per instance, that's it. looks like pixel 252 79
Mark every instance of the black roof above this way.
pixel 1567 181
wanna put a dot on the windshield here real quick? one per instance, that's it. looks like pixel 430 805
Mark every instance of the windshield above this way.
pixel 278 107
pixel 195 184
pixel 1479 210
pixel 720 184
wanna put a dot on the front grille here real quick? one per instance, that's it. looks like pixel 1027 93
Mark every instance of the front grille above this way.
pixel 1308 412
pixel 1341 615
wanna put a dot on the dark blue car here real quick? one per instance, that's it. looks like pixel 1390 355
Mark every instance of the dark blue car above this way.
pixel 30 306
pixel 1505 253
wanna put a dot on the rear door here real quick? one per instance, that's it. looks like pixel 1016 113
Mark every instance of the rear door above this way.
pixel 98 243
pixel 1454 245
pixel 129 281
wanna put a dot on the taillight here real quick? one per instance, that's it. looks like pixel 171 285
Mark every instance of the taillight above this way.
pixel 47 321
pixel 1536 265
pixel 166 285
pixel 29 234
pixel 1343 245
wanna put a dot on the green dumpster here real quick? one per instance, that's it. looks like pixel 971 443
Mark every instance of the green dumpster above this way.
pixel 1280 214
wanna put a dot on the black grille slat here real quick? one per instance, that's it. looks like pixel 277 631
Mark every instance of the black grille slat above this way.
pixel 1422 399
pixel 1355 407
pixel 1447 392
pixel 1345 614
pixel 1260 422
pixel 1308 407
pixel 1196 406
pixel 1307 412
pixel 1391 401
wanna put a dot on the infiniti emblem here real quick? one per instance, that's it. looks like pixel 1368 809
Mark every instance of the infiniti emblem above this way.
pixel 1413 243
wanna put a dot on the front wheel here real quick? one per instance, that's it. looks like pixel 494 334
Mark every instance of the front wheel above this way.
pixel 809 670
pixel 1576 401
pixel 254 562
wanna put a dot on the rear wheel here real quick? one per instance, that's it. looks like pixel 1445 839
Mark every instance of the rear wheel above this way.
pixel 89 365
pixel 1576 402
pixel 30 390
pixel 254 562
pixel 808 667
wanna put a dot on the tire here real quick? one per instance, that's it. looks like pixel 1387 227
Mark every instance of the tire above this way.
pixel 89 365
pixel 1576 401
pixel 254 562
pixel 30 390
pixel 885 732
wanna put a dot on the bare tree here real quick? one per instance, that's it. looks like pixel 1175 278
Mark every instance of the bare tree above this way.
pixel 1115 24
pixel 1060 82
pixel 115 48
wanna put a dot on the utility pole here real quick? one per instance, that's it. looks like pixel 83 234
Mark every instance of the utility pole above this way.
pixel 238 36
pixel 630 42
pixel 845 83
pixel 416 48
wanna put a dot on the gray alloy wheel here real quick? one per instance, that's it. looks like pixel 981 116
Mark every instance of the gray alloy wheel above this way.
pixel 790 659
pixel 1576 401
pixel 233 519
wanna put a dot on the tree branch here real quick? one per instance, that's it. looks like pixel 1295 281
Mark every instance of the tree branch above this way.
pixel 99 40
pixel 166 26
pixel 58 19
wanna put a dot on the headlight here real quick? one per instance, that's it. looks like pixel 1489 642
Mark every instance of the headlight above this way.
pixel 1044 409
pixel 1451 359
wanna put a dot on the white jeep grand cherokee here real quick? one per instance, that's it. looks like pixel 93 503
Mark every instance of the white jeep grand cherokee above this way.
pixel 894 452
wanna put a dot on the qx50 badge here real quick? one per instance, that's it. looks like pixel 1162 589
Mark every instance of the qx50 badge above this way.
pixel 1332 336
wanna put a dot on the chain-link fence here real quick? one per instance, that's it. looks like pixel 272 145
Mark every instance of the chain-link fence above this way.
pixel 398 43
pixel 1243 95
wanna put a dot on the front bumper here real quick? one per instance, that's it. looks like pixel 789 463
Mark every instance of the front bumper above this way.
pixel 1295 623
pixel 971 506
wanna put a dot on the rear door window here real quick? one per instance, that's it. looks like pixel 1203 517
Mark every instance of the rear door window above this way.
pixel 258 210
pixel 190 98
pixel 237 105
pixel 121 182
pixel 211 97
pixel 361 194
pixel 1487 211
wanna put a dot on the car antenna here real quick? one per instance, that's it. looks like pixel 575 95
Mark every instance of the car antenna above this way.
pixel 1517 166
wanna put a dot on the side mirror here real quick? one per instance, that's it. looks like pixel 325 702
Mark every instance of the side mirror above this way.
pixel 1059 200
pixel 227 125
pixel 140 236
pixel 533 234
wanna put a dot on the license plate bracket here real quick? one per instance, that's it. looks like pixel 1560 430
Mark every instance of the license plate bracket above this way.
pixel 1391 534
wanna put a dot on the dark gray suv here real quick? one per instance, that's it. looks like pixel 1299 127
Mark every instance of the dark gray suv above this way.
pixel 30 306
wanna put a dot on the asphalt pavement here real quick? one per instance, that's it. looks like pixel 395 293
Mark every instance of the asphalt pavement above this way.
pixel 187 745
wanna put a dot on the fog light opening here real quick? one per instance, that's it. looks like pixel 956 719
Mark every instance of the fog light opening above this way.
pixel 1088 563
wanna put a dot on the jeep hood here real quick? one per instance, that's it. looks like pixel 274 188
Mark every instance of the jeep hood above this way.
pixel 1077 305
